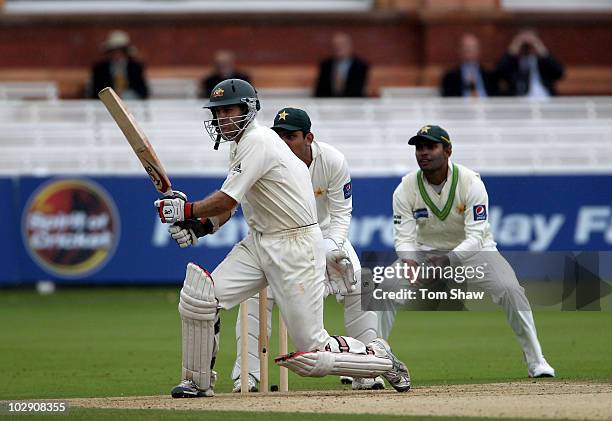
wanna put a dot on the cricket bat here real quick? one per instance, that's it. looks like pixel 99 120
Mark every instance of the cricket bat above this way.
pixel 137 140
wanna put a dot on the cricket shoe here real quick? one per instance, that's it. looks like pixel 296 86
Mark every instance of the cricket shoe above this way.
pixel 188 389
pixel 540 368
pixel 346 380
pixel 368 384
pixel 398 376
pixel 252 381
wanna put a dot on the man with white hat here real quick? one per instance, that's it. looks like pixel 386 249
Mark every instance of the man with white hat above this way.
pixel 119 69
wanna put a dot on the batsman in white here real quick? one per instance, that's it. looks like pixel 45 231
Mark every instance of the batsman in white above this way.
pixel 283 250
pixel 440 214
pixel 332 186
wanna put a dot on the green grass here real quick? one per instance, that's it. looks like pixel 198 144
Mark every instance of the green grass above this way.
pixel 120 342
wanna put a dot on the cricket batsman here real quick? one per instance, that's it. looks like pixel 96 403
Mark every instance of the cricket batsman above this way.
pixel 283 250
pixel 331 182
pixel 440 216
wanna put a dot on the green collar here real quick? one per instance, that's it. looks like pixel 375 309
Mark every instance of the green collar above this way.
pixel 441 214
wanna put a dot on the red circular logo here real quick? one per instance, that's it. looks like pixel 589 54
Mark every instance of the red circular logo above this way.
pixel 70 227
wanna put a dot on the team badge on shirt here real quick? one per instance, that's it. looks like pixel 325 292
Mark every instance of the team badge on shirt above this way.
pixel 348 190
pixel 236 169
pixel 480 213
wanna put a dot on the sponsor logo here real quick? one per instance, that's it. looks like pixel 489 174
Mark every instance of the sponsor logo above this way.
pixel 70 227
pixel 236 169
pixel 397 219
pixel 480 213
pixel 348 190
pixel 420 213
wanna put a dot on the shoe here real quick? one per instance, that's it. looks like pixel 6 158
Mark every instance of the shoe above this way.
pixel 540 369
pixel 398 376
pixel 346 380
pixel 368 384
pixel 252 384
pixel 188 389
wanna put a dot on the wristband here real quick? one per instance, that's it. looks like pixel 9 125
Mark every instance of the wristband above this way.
pixel 188 210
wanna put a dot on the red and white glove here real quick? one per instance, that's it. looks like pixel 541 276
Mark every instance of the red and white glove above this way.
pixel 174 209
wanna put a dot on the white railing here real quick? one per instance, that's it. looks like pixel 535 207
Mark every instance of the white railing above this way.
pixel 28 90
pixel 564 135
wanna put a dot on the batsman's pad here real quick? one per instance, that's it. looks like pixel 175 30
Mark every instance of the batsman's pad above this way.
pixel 344 356
pixel 200 326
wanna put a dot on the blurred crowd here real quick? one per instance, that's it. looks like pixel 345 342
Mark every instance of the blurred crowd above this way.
pixel 527 68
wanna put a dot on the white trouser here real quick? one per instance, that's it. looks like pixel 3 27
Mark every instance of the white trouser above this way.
pixel 292 263
pixel 361 325
pixel 500 282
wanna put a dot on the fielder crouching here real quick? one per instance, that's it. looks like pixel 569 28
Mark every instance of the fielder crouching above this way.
pixel 283 250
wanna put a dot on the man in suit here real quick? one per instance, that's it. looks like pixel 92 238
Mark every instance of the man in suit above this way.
pixel 119 69
pixel 343 74
pixel 224 68
pixel 469 78
pixel 528 68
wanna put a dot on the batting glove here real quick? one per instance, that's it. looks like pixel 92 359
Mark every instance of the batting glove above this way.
pixel 174 209
pixel 186 233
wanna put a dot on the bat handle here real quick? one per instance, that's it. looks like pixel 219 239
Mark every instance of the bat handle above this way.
pixel 168 193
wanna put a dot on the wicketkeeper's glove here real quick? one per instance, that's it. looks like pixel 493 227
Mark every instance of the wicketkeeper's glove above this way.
pixel 340 272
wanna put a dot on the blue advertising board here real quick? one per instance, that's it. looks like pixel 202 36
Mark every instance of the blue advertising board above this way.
pixel 9 233
pixel 104 229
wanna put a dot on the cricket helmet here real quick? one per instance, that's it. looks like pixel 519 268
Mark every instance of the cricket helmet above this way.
pixel 225 93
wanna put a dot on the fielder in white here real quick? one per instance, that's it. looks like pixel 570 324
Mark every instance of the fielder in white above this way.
pixel 332 186
pixel 444 207
pixel 283 250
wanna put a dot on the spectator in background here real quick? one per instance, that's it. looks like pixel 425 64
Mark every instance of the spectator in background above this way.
pixel 224 68
pixel 119 69
pixel 343 74
pixel 528 68
pixel 469 78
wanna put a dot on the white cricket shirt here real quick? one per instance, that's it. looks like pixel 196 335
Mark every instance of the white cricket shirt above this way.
pixel 465 230
pixel 272 184
pixel 333 191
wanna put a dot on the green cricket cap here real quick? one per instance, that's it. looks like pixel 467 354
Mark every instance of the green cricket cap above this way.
pixel 431 132
pixel 292 119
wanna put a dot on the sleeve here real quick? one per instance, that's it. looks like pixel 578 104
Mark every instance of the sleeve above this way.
pixel 251 163
pixel 322 88
pixel 340 199
pixel 139 82
pixel 506 68
pixel 476 222
pixel 404 224
pixel 97 80
pixel 447 86
pixel 550 68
